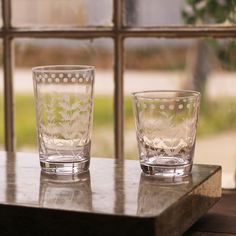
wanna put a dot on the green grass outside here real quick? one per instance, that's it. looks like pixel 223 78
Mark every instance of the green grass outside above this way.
pixel 215 116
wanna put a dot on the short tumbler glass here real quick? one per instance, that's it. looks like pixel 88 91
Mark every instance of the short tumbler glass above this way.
pixel 64 114
pixel 166 124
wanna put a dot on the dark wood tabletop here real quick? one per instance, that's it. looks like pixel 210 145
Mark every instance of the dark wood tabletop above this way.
pixel 220 219
pixel 111 199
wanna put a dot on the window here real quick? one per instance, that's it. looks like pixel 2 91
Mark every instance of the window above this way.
pixel 119 38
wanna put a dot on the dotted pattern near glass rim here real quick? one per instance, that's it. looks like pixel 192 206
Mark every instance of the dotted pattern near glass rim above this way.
pixel 172 104
pixel 83 77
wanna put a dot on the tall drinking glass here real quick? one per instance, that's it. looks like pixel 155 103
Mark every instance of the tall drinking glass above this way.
pixel 166 124
pixel 64 114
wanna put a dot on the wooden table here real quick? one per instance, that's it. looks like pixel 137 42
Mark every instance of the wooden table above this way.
pixel 220 220
pixel 111 199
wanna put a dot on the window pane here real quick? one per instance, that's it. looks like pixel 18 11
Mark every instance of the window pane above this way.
pixel 57 13
pixel 207 65
pixel 169 12
pixel 29 53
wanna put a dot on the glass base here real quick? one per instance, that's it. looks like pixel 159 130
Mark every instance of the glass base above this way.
pixel 167 171
pixel 63 168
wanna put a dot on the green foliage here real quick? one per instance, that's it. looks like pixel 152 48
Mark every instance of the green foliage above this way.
pixel 209 11
pixel 214 12
pixel 225 51
pixel 227 55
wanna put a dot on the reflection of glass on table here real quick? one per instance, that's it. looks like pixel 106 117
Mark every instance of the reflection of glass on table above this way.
pixel 155 193
pixel 66 192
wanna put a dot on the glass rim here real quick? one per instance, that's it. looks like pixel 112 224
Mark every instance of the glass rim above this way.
pixel 62 68
pixel 143 94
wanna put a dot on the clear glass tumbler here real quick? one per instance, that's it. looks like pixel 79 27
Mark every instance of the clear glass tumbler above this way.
pixel 64 114
pixel 166 124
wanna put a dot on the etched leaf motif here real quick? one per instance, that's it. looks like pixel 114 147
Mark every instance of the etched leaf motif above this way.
pixel 188 125
pixel 65 130
pixel 65 116
pixel 52 128
pixel 47 115
pixel 64 105
pixel 85 107
pixel 164 122
pixel 40 112
pixel 74 117
pixel 173 146
pixel 84 117
pixel 64 102
pixel 63 113
pixel 75 106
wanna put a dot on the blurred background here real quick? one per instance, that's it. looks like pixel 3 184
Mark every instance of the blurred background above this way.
pixel 204 64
